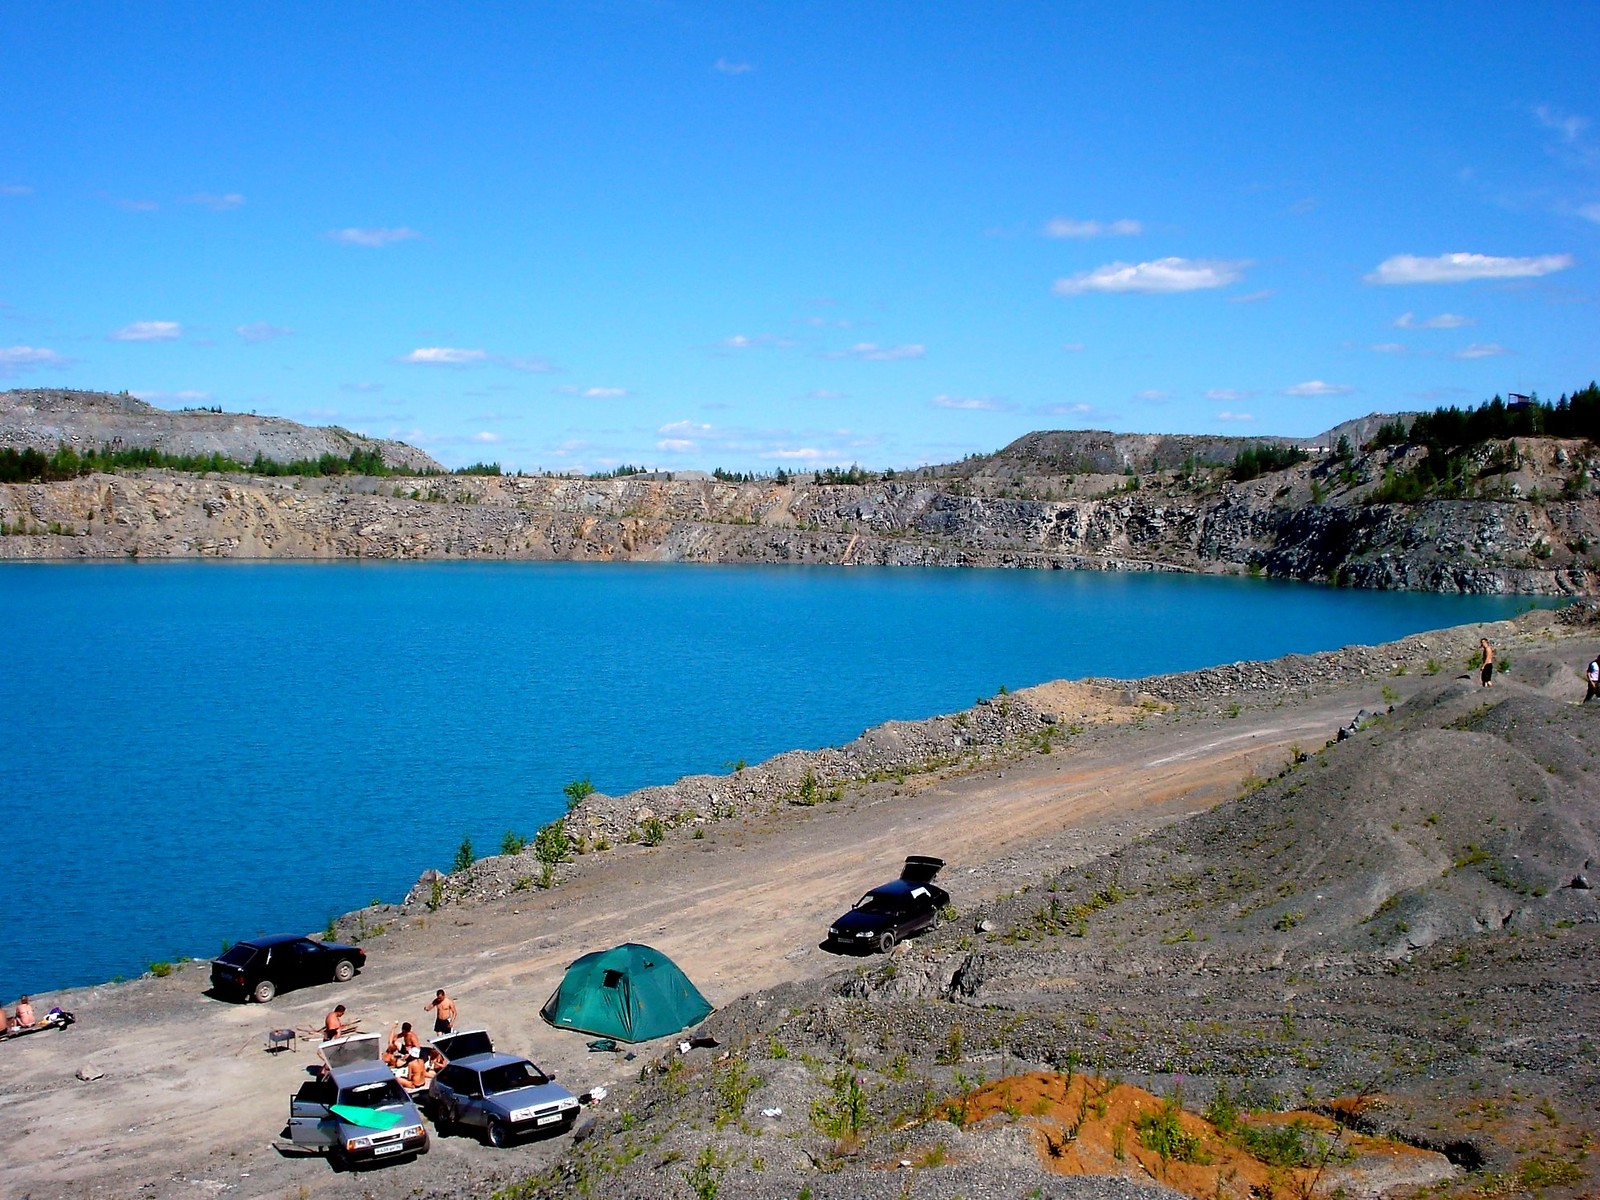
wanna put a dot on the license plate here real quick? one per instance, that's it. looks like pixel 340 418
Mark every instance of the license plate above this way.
pixel 395 1149
pixel 550 1120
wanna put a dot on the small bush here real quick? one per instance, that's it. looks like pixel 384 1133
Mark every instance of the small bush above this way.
pixel 576 791
pixel 161 969
pixel 1162 1132
pixel 652 831
pixel 513 843
pixel 464 856
pixel 551 844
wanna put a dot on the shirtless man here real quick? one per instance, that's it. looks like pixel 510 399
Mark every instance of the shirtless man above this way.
pixel 444 1012
pixel 333 1024
pixel 25 1017
pixel 409 1040
pixel 1486 674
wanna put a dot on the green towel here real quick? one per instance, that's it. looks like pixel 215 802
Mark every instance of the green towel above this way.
pixel 367 1118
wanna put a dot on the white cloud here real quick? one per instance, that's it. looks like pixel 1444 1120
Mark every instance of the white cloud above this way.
pixel 685 427
pixel 1152 395
pixel 1464 268
pixel 824 394
pixel 1233 416
pixel 533 364
pixel 15 189
pixel 594 393
pixel 1066 410
pixel 373 237
pixel 1228 395
pixel 1482 350
pixel 148 331
pixel 972 403
pixel 675 445
pixel 740 341
pixel 1072 347
pixel 1590 212
pixel 1066 227
pixel 1388 347
pixel 1442 321
pixel 872 352
pixel 215 203
pixel 447 356
pixel 485 436
pixel 1315 387
pixel 261 331
pixel 730 67
pixel 798 453
pixel 138 205
pixel 1254 297
pixel 16 359
pixel 1160 276
pixel 1570 127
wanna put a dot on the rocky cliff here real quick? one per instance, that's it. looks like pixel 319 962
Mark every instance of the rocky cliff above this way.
pixel 1529 523
pixel 45 418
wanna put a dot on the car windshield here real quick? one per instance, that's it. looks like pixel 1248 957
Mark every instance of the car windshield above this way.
pixel 877 902
pixel 240 955
pixel 383 1094
pixel 510 1077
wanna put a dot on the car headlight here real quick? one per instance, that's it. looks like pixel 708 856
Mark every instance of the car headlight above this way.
pixel 522 1114
pixel 865 933
pixel 360 1143
pixel 411 1131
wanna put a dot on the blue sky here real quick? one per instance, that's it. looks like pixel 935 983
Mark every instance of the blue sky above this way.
pixel 569 236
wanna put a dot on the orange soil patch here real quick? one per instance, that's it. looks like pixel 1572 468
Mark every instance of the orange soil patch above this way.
pixel 1084 1125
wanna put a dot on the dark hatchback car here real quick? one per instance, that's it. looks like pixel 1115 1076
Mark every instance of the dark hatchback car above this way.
pixel 894 911
pixel 264 966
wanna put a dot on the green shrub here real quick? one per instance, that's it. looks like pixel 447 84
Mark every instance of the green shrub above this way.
pixel 1162 1132
pixel 464 856
pixel 652 831
pixel 576 791
pixel 551 844
pixel 161 969
pixel 513 843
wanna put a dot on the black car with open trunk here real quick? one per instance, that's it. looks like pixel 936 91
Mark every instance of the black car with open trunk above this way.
pixel 893 911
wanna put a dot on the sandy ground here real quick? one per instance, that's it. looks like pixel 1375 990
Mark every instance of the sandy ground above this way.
pixel 190 1103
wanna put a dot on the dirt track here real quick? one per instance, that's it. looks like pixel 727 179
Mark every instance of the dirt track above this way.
pixel 190 1103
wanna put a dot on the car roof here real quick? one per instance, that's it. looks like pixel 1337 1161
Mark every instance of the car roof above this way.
pixel 274 939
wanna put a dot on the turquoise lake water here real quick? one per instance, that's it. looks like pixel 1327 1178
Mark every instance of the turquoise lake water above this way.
pixel 199 752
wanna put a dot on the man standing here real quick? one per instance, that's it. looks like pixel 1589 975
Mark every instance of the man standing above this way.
pixel 444 1012
pixel 1486 675
pixel 1592 677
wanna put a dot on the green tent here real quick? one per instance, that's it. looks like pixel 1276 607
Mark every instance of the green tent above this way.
pixel 630 992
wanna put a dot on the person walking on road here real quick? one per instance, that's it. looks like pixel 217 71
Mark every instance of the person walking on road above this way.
pixel 1591 676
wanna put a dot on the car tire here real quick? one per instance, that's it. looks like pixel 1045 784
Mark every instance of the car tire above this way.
pixel 344 971
pixel 498 1134
pixel 264 991
pixel 443 1121
pixel 338 1161
pixel 886 941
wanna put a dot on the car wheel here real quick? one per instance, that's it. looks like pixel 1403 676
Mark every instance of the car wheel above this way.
pixel 344 971
pixel 443 1120
pixel 337 1160
pixel 498 1135
pixel 263 991
pixel 886 941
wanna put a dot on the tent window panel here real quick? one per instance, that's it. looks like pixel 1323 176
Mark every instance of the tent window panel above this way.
pixel 613 979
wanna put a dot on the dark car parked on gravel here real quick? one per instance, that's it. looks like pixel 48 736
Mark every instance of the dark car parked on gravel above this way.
pixel 262 967
pixel 894 911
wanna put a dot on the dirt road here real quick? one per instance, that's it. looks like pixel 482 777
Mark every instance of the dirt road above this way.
pixel 190 1103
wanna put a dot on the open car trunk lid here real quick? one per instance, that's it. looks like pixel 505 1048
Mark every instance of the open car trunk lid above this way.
pixel 920 868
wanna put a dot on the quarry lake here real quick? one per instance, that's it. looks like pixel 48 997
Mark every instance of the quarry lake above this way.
pixel 199 752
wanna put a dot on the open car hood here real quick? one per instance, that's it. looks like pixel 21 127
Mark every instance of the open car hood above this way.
pixel 351 1049
pixel 463 1044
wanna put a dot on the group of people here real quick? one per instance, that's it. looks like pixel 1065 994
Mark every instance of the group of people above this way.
pixel 1591 673
pixel 414 1062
